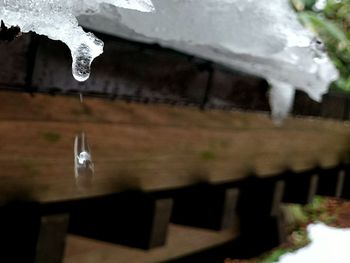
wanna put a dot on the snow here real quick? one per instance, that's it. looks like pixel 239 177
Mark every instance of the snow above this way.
pixel 253 36
pixel 57 20
pixel 328 245
pixel 257 37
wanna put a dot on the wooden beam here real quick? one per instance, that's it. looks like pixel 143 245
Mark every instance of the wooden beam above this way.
pixel 149 147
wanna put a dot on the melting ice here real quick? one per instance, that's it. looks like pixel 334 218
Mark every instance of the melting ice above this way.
pixel 57 20
pixel 259 37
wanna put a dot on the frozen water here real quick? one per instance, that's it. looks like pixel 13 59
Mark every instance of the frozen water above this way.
pixel 259 37
pixel 83 165
pixel 327 245
pixel 57 20
pixel 281 99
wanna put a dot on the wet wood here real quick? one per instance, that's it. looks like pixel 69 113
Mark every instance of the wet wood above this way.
pixel 182 241
pixel 150 147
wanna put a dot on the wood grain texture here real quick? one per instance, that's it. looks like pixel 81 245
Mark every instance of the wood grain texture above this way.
pixel 150 147
pixel 181 242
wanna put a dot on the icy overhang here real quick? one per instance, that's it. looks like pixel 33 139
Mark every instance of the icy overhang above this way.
pixel 57 20
pixel 258 37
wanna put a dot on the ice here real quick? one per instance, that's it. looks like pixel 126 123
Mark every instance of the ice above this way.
pixel 281 100
pixel 327 245
pixel 57 20
pixel 259 37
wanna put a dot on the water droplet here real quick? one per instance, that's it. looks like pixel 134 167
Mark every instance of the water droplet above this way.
pixel 82 60
pixel 83 164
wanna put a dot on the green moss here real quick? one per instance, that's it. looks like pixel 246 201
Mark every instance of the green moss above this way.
pixel 52 137
pixel 207 155
pixel 30 168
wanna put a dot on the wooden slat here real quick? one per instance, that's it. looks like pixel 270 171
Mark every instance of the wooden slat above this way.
pixel 149 147
pixel 182 241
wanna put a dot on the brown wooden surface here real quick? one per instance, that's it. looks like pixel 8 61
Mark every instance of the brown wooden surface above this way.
pixel 182 241
pixel 149 147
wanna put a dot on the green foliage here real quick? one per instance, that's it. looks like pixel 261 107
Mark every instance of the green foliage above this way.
pixel 332 24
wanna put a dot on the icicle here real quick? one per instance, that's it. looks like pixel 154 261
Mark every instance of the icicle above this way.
pixel 281 100
pixel 57 20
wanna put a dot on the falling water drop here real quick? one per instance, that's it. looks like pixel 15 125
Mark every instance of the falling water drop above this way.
pixel 83 164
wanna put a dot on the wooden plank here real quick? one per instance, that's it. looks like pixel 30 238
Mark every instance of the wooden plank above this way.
pixel 182 241
pixel 149 147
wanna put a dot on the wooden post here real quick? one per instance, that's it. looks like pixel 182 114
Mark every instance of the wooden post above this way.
pixel 345 193
pixel 51 239
pixel 259 215
pixel 300 187
pixel 328 182
pixel 206 206
pixel 28 236
pixel 133 219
